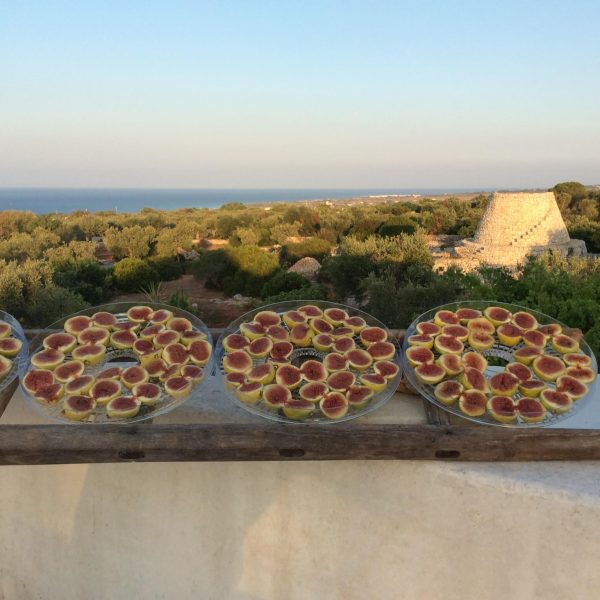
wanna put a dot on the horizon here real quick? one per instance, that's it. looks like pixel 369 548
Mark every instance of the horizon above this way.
pixel 332 95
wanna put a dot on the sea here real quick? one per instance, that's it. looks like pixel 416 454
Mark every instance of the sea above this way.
pixel 66 200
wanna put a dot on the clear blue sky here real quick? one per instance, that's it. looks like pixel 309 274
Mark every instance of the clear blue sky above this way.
pixel 305 93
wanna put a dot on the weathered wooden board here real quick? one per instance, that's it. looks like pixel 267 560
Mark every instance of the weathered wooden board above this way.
pixel 61 444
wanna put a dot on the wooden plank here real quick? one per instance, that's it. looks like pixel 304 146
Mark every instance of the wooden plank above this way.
pixel 62 444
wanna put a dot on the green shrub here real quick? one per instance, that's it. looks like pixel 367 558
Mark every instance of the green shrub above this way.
pixel 253 261
pixel 396 226
pixel 312 292
pixel 132 274
pixel 283 282
pixel 53 303
pixel 317 248
pixel 90 280
pixel 168 268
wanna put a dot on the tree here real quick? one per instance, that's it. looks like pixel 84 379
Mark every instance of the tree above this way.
pixel 283 231
pixel 133 274
pixel 130 242
pixel 172 241
pixel 249 236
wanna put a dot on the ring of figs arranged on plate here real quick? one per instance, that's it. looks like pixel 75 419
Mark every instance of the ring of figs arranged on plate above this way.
pixel 309 362
pixel 498 364
pixel 117 366
pixel 10 348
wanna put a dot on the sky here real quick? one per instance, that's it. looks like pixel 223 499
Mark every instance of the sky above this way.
pixel 299 94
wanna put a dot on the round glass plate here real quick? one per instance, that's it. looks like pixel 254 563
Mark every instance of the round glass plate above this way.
pixel 302 354
pixel 498 356
pixel 21 358
pixel 115 357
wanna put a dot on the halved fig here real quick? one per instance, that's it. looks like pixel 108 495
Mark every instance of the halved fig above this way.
pixel 275 396
pixel 145 350
pixel 335 316
pixel 472 379
pixel 260 347
pixel 551 329
pixel 170 371
pixel 75 325
pixel 160 317
pixel 467 314
pixel 78 408
pixel 359 396
pixel 481 325
pixel 281 350
pixel 526 355
pixel 134 375
pixel 359 359
pixel 524 321
pixel 104 319
pixel 548 368
pixel 10 347
pixel 520 371
pixel 64 342
pixel 321 326
pixel 451 363
pixel 298 409
pixel 556 402
pixel 446 344
pixel 147 393
pixel 92 354
pixel 178 386
pixel 37 379
pixel 5 330
pixel 252 330
pixel 192 372
pixel 249 392
pixel 475 360
pixel 377 382
pixel 480 340
pixel 504 384
pixel 193 335
pixel 175 354
pixel 502 409
pixel 300 335
pixel 47 359
pixel 69 370
pixel 383 350
pixel 335 362
pixel 123 407
pixel 334 405
pixel 355 323
pixel 93 335
pixel 310 310
pixel 234 380
pixel 497 315
pixel 264 373
pixel 341 332
pixel 5 366
pixel 313 391
pixel 371 335
pixel 429 373
pixel 415 355
pixel 200 352
pixel 421 341
pixel 234 342
pixel 166 337
pixel 428 328
pixel 80 385
pixel 445 317
pixel 344 345
pixel 289 376
pixel 180 324
pixel 237 362
pixel 584 374
pixel 155 367
pixel 534 339
pixel 51 394
pixel 448 392
pixel 278 333
pixel 313 370
pixel 572 359
pixel 473 403
pixel 531 410
pixel 458 331
pixel 509 334
pixel 386 369
pixel 127 326
pixel 110 373
pixel 323 342
pixel 531 387
pixel 340 381
pixel 564 344
pixel 105 390
pixel 123 339
pixel 139 314
pixel 575 388
pixel 267 318
pixel 292 318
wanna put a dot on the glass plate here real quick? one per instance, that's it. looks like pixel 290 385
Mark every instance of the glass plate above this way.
pixel 300 355
pixel 117 357
pixel 503 355
pixel 21 358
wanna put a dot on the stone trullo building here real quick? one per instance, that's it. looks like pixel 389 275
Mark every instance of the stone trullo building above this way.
pixel 513 227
